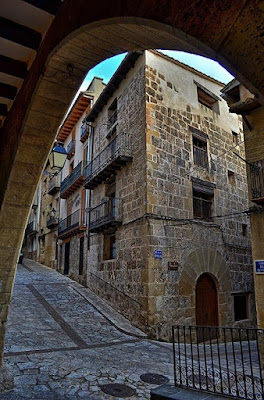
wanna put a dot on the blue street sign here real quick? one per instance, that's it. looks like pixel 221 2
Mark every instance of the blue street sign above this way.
pixel 158 254
pixel 259 266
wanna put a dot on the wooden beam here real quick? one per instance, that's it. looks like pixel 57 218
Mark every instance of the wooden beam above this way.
pixel 3 109
pixel 13 67
pixel 19 34
pixel 7 91
pixel 50 6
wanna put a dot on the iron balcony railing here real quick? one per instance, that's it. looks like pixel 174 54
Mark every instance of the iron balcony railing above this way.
pixel 54 184
pixel 112 120
pixel 71 222
pixel 32 227
pixel 118 151
pixel 86 129
pixel 71 179
pixel 200 157
pixel 257 180
pixel 52 222
pixel 71 149
pixel 106 215
pixel 220 360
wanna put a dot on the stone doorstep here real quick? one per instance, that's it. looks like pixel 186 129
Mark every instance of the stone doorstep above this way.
pixel 170 392
pixel 116 319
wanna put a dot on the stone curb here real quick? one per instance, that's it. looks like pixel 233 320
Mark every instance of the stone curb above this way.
pixel 117 320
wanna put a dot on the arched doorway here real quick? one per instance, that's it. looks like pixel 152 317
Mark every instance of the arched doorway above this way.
pixel 206 305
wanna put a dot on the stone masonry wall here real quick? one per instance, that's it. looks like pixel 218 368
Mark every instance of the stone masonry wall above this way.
pixel 169 200
pixel 120 281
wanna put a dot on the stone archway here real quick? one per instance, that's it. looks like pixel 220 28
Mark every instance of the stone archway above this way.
pixel 206 261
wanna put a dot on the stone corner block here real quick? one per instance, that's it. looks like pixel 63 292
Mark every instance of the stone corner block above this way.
pixel 6 379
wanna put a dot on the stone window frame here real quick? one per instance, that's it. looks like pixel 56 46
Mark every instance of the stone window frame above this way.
pixel 246 311
pixel 205 191
pixel 207 98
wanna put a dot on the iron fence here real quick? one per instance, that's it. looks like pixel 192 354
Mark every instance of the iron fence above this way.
pixel 54 184
pixel 76 173
pixel 257 179
pixel 86 130
pixel 71 148
pixel 220 360
pixel 109 211
pixel 119 147
pixel 69 223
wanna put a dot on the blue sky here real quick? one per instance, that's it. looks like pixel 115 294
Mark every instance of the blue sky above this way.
pixel 108 67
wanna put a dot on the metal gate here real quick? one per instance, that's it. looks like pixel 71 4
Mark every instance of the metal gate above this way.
pixel 229 364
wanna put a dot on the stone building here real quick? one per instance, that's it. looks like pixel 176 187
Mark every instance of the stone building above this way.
pixel 244 103
pixel 76 138
pixel 168 231
pixel 44 230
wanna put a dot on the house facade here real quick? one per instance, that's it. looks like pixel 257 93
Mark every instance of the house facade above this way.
pixel 76 138
pixel 168 227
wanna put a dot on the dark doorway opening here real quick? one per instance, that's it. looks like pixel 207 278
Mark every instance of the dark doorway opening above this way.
pixel 67 259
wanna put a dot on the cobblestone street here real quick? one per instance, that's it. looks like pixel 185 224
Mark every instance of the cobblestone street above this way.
pixel 64 343
pixel 60 347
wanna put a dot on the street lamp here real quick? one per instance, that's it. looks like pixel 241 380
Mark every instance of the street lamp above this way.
pixel 57 157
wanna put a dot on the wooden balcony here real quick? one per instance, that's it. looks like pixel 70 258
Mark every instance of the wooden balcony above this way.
pixel 71 225
pixel 54 185
pixel 106 216
pixel 72 182
pixel 257 181
pixel 112 158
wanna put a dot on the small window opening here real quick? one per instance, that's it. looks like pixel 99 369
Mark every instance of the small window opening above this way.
pixel 109 247
pixel 244 230
pixel 235 137
pixel 241 306
pixel 208 101
pixel 231 177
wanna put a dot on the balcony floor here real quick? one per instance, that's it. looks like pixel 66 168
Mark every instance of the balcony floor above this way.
pixel 96 178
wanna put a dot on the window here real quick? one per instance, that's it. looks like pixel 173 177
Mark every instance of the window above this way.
pixel 112 119
pixel 231 177
pixel 202 205
pixel 235 137
pixel 203 195
pixel 200 152
pixel 241 309
pixel 244 230
pixel 207 98
pixel 109 247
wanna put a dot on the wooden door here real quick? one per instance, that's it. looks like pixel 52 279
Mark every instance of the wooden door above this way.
pixel 206 306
